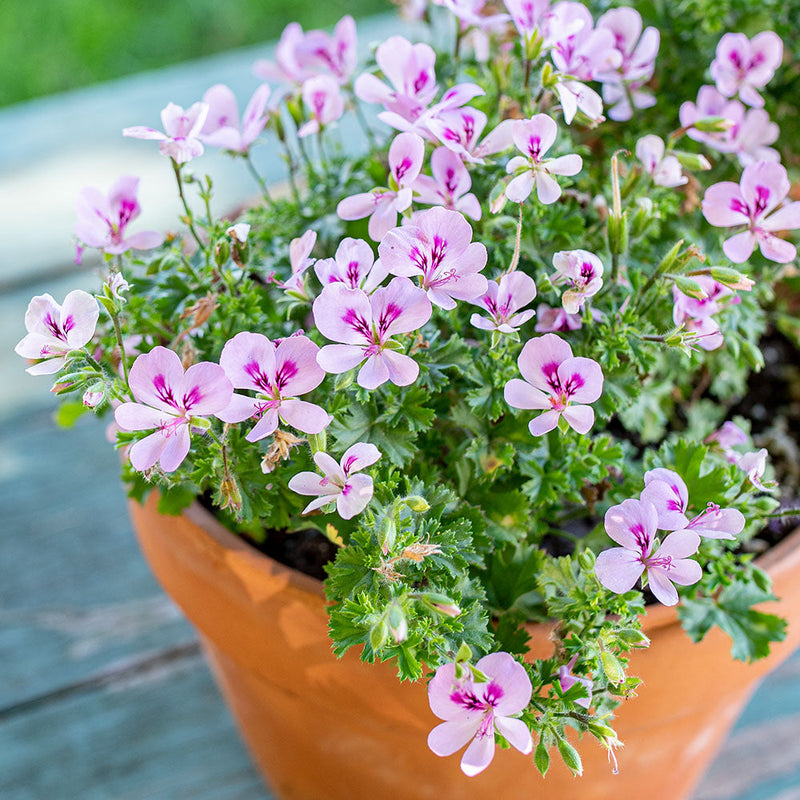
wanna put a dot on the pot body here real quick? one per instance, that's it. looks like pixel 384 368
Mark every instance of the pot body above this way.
pixel 322 727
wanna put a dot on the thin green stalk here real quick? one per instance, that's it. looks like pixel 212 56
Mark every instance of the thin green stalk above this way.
pixel 259 180
pixel 189 216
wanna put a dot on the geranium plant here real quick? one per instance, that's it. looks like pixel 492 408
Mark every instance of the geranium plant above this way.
pixel 359 356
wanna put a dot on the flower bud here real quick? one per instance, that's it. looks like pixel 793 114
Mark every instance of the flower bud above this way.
pixel 732 278
pixel 692 161
pixel 93 396
pixel 417 503
pixel 690 287
pixel 387 533
pixel 398 626
pixel 612 667
pixel 713 124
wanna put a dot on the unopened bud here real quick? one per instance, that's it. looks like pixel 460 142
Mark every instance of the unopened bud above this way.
pixel 713 124
pixel 497 198
pixel 93 396
pixel 690 287
pixel 439 602
pixel 417 503
pixel 732 278
pixel 387 533
pixel 692 161
pixel 398 626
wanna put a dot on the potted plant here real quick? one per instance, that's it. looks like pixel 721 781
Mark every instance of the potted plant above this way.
pixel 505 499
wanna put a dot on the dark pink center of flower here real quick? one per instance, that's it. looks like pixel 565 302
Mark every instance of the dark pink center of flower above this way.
pixel 642 539
pixel 485 699
pixel 348 464
pixel 677 504
pixel 260 379
pixel 534 148
pixel 192 397
pixel 421 82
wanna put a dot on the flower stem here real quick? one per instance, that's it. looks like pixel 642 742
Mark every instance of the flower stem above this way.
pixel 189 216
pixel 257 177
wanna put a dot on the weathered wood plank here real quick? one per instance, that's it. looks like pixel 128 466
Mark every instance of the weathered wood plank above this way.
pixel 76 595
pixel 162 733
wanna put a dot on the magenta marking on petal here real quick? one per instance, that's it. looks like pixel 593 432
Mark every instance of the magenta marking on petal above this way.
pixel 357 323
pixel 573 383
pixel 642 539
pixel 347 465
pixel 285 373
pixel 493 693
pixel 421 81
pixel 192 397
pixel 389 315
pixel 534 148
pixel 465 697
pixel 54 327
pixel 259 378
pixel 739 207
pixel 762 198
pixel 163 391
pixel 352 274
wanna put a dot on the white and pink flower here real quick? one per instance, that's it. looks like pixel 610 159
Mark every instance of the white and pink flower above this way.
pixel 365 325
pixel 633 525
pixel 582 272
pixel 340 482
pixel 323 100
pixel 180 139
pixel 756 202
pixel 173 402
pixel 665 170
pixel 438 248
pixel 743 66
pixel 54 330
pixel 557 383
pixel 223 128
pixel 278 372
pixel 449 187
pixel 103 219
pixel 534 137
pixel 474 710
pixel 382 205
pixel 504 300
pixel 354 265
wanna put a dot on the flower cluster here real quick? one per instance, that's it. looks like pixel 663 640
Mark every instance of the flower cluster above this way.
pixel 360 354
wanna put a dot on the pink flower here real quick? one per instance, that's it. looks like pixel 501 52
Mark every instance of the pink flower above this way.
pixel 555 382
pixel 278 372
pixel 695 314
pixel 728 436
pixel 623 86
pixel 754 464
pixel 299 259
pixel 365 324
pixel 473 710
pixel 582 271
pixel 409 70
pixel 633 525
pixel 171 401
pixel 338 482
pixel 710 103
pixel 717 523
pixel 745 65
pixel 567 680
pixel 550 320
pixel 181 137
pixel 459 129
pixel 503 300
pixel 449 185
pixel 223 128
pixel 750 139
pixel 534 137
pixel 382 206
pixel 754 202
pixel 528 15
pixel 55 330
pixel 300 56
pixel 575 96
pixel 103 219
pixel 354 265
pixel 666 491
pixel 323 99
pixel 664 170
pixel 577 48
pixel 438 248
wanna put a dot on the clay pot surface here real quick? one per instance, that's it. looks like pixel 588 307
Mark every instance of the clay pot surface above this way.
pixel 322 727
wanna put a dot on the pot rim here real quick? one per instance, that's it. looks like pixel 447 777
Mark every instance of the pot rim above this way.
pixel 775 561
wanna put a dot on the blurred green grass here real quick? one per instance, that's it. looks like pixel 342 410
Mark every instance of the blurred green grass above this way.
pixel 54 45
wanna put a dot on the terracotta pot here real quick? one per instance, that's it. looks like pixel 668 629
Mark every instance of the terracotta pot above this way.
pixel 320 727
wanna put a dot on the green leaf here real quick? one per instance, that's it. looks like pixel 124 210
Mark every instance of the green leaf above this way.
pixel 69 413
pixel 751 631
